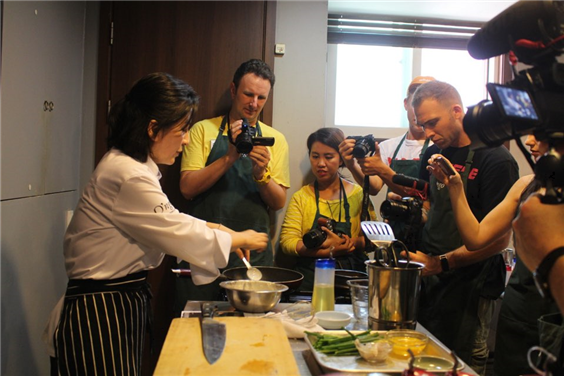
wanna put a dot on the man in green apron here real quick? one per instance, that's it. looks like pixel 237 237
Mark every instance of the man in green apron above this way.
pixel 459 287
pixel 227 187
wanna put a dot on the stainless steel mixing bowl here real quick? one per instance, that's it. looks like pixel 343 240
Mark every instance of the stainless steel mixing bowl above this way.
pixel 253 296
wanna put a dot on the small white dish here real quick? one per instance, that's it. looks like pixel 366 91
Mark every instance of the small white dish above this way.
pixel 333 319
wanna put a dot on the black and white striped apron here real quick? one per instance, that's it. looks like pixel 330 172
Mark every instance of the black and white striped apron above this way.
pixel 102 326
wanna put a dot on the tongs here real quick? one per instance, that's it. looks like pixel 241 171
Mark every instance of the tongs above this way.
pixel 382 236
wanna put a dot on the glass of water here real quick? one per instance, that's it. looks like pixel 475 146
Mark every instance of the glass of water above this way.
pixel 359 298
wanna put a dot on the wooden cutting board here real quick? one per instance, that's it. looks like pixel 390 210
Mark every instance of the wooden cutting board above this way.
pixel 253 346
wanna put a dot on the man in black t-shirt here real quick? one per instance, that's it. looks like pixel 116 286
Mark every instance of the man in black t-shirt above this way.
pixel 459 286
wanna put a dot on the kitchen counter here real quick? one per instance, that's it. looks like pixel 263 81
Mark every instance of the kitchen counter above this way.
pixel 305 360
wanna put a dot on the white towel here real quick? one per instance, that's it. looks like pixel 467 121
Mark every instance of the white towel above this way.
pixel 295 328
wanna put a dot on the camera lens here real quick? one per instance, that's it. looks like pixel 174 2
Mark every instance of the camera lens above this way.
pixel 314 238
pixel 361 148
pixel 244 142
pixel 485 125
pixel 391 209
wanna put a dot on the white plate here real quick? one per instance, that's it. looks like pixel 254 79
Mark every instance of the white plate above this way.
pixel 357 364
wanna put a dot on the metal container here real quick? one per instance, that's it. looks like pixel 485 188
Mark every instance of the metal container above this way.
pixel 393 294
pixel 253 296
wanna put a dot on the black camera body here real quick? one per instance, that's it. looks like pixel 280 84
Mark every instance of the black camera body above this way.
pixel 247 139
pixel 363 146
pixel 315 237
pixel 409 210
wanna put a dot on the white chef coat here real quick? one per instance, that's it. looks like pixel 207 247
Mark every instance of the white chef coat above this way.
pixel 124 223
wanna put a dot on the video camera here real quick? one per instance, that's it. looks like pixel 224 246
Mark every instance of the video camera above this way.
pixel 405 215
pixel 363 146
pixel 532 102
pixel 247 139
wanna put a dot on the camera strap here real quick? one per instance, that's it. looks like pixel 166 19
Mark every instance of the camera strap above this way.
pixel 342 198
pixel 364 216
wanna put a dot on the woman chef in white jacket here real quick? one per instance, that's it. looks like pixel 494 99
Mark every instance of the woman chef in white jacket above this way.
pixel 123 226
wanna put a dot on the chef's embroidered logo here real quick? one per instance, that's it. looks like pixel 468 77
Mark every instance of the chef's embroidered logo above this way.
pixel 167 207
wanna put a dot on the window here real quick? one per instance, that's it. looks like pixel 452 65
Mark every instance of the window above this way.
pixel 371 63
pixel 371 81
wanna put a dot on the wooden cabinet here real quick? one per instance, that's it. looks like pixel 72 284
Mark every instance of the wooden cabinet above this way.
pixel 42 63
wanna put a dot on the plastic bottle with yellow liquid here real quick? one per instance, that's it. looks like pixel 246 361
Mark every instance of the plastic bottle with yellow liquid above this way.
pixel 324 286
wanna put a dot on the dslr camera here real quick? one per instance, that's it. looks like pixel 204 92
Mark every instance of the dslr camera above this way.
pixel 363 146
pixel 247 139
pixel 532 102
pixel 315 237
pixel 409 210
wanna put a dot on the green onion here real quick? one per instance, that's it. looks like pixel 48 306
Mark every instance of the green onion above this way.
pixel 340 345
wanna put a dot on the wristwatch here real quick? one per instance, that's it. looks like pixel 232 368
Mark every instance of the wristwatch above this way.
pixel 444 263
pixel 265 178
pixel 541 274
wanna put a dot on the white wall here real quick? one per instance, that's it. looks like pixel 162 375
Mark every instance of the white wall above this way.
pixel 299 92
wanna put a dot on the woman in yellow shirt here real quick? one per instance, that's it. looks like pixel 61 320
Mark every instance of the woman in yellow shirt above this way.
pixel 329 197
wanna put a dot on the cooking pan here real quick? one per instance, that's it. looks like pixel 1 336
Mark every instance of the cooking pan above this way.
pixel 344 275
pixel 290 278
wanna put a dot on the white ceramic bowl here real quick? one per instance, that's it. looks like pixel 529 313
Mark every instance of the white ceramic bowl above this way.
pixel 333 319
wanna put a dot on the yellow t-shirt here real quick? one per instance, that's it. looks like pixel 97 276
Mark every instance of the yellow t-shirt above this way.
pixel 301 214
pixel 204 133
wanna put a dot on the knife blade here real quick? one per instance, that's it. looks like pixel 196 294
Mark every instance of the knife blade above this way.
pixel 213 334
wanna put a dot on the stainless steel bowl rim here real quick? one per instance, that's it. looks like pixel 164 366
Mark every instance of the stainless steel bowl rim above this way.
pixel 232 285
pixel 416 265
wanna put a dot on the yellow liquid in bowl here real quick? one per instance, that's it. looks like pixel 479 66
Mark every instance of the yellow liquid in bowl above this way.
pixel 401 344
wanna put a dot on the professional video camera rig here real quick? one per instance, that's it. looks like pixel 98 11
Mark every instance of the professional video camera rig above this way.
pixel 533 33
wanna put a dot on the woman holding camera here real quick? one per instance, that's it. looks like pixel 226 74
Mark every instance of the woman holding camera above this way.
pixel 521 323
pixel 325 214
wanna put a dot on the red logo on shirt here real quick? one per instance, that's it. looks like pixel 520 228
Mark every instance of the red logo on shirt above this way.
pixel 473 172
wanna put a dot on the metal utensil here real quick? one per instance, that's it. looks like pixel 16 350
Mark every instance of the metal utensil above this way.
pixel 253 273
pixel 213 333
pixel 382 236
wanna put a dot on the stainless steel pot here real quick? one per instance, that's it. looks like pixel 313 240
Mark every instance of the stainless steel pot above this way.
pixel 393 294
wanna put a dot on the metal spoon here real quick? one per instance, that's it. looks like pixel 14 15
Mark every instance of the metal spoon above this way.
pixel 253 273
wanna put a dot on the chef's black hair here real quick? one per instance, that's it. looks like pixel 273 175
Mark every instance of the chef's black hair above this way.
pixel 257 67
pixel 157 96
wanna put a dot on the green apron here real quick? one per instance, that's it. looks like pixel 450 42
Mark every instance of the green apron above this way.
pixel 524 321
pixel 449 300
pixel 234 201
pixel 408 167
pixel 306 265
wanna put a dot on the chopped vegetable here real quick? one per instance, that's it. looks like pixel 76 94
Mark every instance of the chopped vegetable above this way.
pixel 341 345
pixel 374 352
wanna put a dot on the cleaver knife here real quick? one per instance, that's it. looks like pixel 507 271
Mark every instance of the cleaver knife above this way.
pixel 213 333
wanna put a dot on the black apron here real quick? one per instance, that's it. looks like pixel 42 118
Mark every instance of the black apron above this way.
pixel 522 325
pixel 355 261
pixel 105 321
pixel 449 300
pixel 408 167
pixel 234 201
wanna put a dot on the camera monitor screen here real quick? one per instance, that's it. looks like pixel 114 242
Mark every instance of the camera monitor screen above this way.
pixel 514 103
